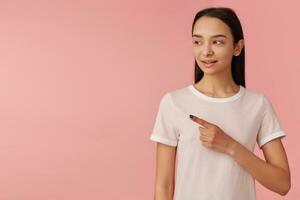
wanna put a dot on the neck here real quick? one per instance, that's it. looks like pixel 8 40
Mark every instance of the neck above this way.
pixel 218 84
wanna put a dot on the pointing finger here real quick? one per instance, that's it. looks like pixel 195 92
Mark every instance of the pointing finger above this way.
pixel 200 121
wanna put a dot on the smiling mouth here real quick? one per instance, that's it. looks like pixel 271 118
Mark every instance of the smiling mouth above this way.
pixel 208 64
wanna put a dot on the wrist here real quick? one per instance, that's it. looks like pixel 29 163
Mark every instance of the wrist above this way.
pixel 232 148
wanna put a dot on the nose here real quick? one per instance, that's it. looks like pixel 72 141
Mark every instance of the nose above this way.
pixel 206 50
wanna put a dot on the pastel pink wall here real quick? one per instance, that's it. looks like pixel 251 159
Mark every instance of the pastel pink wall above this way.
pixel 81 81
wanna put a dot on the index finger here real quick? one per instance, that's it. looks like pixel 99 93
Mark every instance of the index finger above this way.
pixel 200 121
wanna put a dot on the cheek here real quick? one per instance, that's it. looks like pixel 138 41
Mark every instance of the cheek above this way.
pixel 195 51
pixel 225 55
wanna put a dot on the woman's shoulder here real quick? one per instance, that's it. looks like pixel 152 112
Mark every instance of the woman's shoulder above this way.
pixel 257 97
pixel 176 91
pixel 253 93
pixel 184 91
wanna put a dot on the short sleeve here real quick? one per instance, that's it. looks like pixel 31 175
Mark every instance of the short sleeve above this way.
pixel 270 126
pixel 164 130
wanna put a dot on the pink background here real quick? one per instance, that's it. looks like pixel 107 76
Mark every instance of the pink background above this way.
pixel 81 81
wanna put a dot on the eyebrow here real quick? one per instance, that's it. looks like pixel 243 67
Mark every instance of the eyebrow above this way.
pixel 213 36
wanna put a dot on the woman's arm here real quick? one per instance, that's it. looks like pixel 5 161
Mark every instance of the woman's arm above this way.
pixel 273 173
pixel 165 171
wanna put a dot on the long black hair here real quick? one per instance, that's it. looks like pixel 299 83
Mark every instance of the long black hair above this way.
pixel 229 17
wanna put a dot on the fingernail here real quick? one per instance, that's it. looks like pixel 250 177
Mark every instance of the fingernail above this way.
pixel 191 116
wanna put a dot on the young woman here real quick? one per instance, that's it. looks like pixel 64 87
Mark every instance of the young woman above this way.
pixel 213 125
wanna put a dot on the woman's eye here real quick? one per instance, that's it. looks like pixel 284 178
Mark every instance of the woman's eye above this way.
pixel 218 42
pixel 197 42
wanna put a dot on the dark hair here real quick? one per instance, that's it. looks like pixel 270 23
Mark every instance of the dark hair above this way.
pixel 229 17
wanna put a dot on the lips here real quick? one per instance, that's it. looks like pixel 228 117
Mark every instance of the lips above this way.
pixel 209 61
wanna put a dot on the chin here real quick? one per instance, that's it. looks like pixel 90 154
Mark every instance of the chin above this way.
pixel 209 70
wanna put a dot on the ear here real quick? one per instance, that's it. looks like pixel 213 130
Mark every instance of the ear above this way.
pixel 238 47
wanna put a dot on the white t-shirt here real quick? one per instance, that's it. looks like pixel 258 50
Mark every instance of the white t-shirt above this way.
pixel 202 173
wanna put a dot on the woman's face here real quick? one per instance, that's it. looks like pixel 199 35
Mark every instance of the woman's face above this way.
pixel 213 45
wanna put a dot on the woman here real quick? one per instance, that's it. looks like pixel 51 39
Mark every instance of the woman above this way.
pixel 213 125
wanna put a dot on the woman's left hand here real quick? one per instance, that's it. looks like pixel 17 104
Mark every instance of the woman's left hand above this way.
pixel 214 137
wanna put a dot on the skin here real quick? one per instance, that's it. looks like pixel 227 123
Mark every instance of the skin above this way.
pixel 165 172
pixel 273 174
pixel 217 81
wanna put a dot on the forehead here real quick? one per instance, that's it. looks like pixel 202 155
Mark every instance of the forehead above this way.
pixel 208 26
